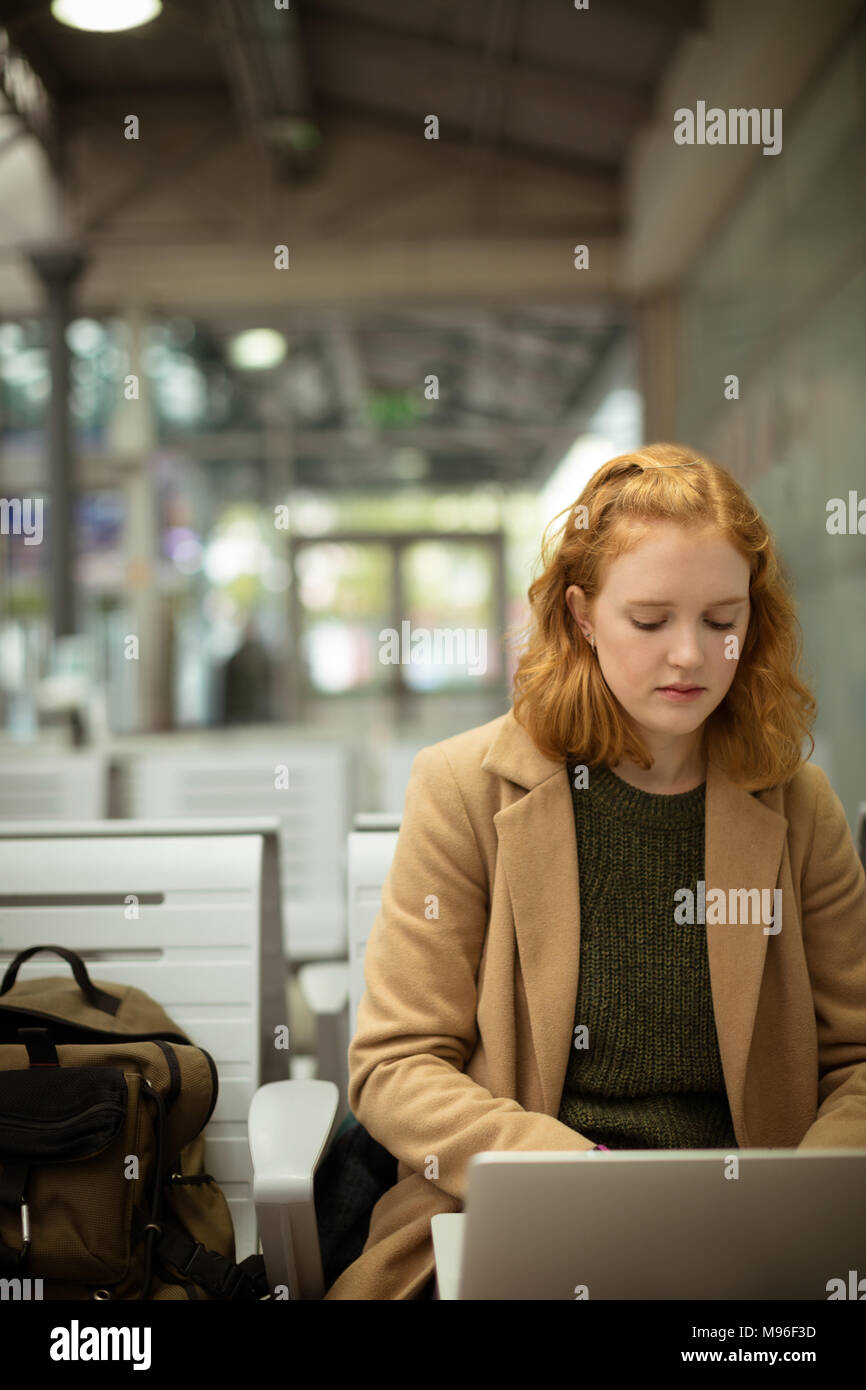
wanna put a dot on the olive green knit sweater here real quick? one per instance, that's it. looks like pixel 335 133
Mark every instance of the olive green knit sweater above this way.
pixel 650 1075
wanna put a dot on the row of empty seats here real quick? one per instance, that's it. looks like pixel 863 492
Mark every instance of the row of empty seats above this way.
pixel 312 788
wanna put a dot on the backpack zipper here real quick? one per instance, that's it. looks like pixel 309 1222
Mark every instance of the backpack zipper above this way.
pixel 21 1122
pixel 61 1023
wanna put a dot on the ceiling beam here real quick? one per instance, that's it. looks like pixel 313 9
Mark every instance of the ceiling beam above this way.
pixel 24 92
pixel 159 174
pixel 496 59
pixel 339 37
pixel 266 64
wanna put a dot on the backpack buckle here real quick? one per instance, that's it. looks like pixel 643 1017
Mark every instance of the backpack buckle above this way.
pixel 205 1266
pixel 232 1282
pixel 198 1251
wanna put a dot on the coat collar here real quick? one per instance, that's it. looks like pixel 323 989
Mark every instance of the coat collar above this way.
pixel 744 842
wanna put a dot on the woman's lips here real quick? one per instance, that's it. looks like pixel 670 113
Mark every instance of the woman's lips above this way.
pixel 681 696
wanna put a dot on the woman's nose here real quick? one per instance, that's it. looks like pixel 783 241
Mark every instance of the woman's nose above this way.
pixel 685 648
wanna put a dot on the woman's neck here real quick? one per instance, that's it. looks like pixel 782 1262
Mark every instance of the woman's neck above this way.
pixel 669 774
pixel 653 781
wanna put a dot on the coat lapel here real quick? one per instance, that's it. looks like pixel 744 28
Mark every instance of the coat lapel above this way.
pixel 744 842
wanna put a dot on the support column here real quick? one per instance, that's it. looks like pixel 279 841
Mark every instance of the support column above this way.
pixel 132 441
pixel 279 489
pixel 58 268
pixel 658 364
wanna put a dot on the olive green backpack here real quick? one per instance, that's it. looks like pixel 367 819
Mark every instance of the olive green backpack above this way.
pixel 103 1193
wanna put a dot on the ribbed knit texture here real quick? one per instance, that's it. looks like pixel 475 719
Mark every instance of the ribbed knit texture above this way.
pixel 651 1075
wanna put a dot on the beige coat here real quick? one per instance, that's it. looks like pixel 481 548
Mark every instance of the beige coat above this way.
pixel 471 968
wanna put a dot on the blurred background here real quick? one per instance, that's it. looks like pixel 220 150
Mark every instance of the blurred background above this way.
pixel 311 317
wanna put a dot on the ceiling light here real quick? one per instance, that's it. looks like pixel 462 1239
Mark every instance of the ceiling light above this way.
pixel 85 337
pixel 257 349
pixel 105 16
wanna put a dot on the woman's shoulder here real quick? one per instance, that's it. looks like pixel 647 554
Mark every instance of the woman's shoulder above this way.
pixel 804 796
pixel 471 746
pixel 459 756
pixel 501 748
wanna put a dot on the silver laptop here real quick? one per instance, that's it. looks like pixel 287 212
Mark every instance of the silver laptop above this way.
pixel 659 1224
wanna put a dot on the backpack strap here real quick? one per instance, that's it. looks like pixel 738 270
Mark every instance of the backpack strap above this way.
pixel 215 1272
pixel 97 998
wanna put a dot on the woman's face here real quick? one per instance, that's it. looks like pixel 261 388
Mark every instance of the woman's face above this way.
pixel 662 616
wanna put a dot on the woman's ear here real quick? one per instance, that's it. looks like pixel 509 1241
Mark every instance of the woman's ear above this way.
pixel 576 600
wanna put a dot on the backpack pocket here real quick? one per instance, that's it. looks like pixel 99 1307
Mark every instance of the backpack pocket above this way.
pixel 60 1114
pixel 75 1130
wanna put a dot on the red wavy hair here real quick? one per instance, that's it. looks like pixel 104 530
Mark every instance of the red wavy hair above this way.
pixel 560 695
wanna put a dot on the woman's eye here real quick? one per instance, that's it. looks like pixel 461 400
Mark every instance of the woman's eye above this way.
pixel 651 627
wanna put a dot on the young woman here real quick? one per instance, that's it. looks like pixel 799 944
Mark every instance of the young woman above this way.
pixel 627 912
